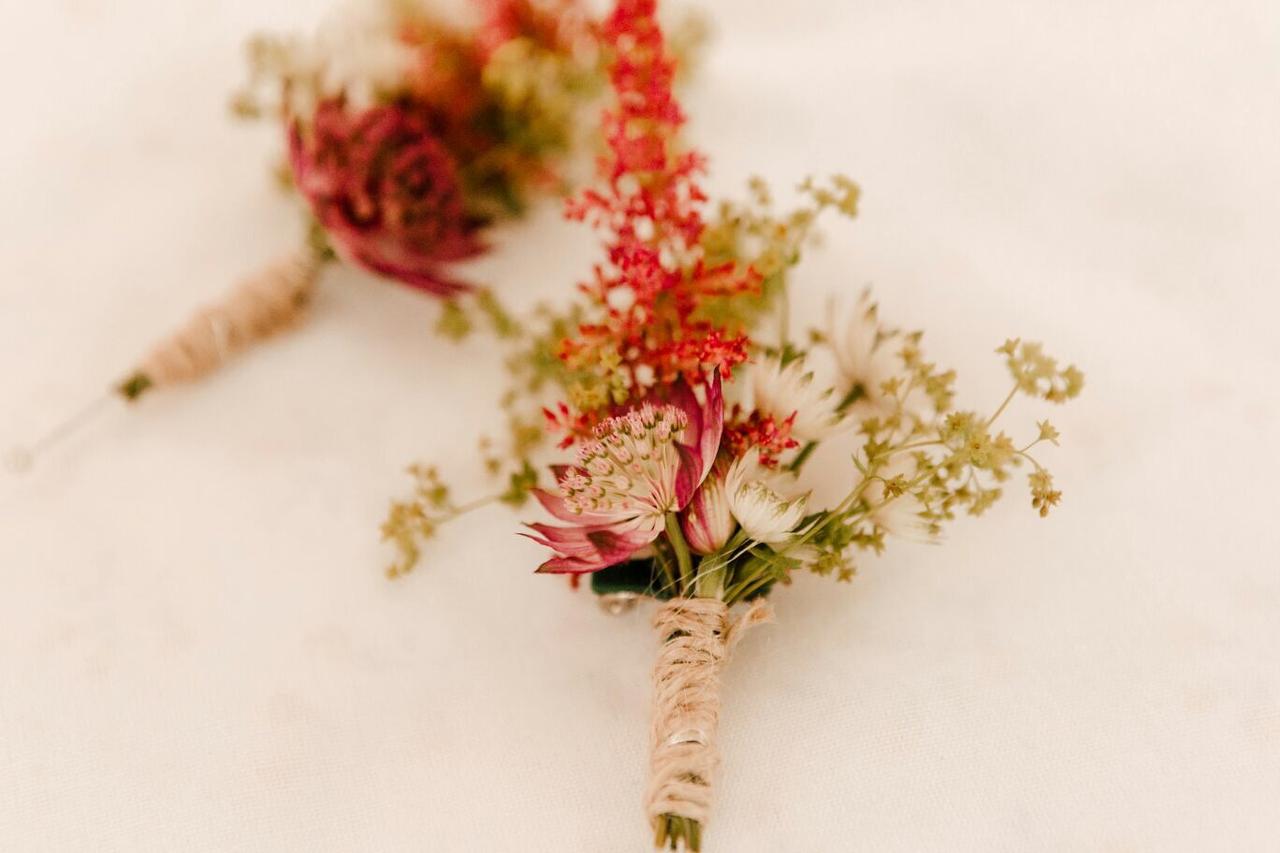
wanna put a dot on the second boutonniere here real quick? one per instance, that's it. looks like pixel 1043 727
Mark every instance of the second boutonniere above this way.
pixel 407 137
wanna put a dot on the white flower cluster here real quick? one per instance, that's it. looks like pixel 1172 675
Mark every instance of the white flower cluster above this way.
pixel 356 54
pixel 769 505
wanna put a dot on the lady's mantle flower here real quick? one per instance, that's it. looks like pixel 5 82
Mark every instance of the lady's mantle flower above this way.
pixel 386 191
pixel 642 466
pixel 790 393
pixel 754 498
pixel 894 509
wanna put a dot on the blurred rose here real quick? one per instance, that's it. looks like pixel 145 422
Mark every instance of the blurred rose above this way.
pixel 386 192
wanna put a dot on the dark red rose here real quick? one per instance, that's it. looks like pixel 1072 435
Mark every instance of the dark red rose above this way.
pixel 386 191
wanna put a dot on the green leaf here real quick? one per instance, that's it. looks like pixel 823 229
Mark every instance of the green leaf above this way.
pixel 638 576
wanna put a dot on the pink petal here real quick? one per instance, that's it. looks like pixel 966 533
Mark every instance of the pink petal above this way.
pixel 421 275
pixel 571 566
pixel 687 476
pixel 682 397
pixel 587 549
pixel 698 452
pixel 712 424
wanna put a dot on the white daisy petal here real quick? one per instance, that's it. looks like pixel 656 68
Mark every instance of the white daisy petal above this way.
pixel 789 391
pixel 764 514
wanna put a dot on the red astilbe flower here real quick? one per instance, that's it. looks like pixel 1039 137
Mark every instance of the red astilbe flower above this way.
pixel 765 434
pixel 386 191
pixel 648 333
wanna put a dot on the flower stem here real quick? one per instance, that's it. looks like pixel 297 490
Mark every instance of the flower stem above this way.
pixel 1003 406
pixel 683 559
pixel 802 456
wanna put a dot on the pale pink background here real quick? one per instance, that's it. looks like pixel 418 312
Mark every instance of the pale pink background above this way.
pixel 198 651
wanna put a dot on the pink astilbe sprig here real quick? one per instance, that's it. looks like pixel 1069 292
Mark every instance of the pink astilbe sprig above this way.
pixel 646 296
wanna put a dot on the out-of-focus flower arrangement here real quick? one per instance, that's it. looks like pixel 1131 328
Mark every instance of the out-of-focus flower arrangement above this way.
pixel 407 137
pixel 687 414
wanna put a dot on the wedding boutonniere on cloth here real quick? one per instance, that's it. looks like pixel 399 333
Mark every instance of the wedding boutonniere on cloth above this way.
pixel 407 138
pixel 688 416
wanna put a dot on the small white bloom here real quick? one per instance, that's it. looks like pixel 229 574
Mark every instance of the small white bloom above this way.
pixel 791 390
pixel 356 53
pixel 863 356
pixel 765 515
pixel 361 53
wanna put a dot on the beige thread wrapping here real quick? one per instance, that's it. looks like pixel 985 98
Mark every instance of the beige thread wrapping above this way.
pixel 697 636
pixel 258 307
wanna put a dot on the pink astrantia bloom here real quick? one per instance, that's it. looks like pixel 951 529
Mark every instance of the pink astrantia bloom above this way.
pixel 642 465
pixel 386 192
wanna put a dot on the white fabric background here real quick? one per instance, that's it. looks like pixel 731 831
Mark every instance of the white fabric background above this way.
pixel 198 651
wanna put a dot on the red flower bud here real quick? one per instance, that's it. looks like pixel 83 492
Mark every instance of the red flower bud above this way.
pixel 707 522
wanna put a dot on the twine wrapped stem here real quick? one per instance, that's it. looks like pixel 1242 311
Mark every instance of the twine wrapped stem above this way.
pixel 258 307
pixel 697 635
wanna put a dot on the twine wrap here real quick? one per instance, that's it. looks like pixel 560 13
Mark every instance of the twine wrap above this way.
pixel 257 308
pixel 697 635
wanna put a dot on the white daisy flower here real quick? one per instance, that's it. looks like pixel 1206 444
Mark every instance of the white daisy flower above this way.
pixel 360 54
pixel 754 499
pixel 785 391
pixel 356 53
pixel 862 353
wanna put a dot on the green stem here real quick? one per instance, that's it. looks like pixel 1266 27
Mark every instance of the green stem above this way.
pixel 802 456
pixel 134 386
pixel 664 565
pixel 856 393
pixel 913 446
pixel 472 506
pixel 683 559
pixel 784 323
pixel 747 579
pixel 751 587
pixel 711 581
pixel 1003 406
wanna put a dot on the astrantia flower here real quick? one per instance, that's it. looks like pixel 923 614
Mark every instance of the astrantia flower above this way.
pixel 641 466
pixel 756 502
pixel 791 392
pixel 386 191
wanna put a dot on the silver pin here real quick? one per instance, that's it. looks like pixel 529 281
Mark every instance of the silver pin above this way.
pixel 617 603
pixel 21 458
